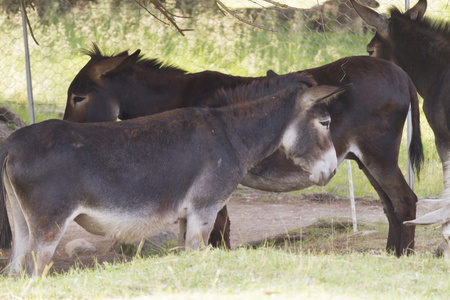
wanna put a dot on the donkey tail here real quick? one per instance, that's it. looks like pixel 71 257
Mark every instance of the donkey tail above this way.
pixel 5 227
pixel 415 147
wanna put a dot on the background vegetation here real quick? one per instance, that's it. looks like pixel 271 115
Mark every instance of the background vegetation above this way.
pixel 218 42
pixel 329 263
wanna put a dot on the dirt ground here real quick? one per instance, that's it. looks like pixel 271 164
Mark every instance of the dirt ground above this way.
pixel 254 215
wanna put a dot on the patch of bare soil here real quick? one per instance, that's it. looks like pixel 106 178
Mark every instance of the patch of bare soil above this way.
pixel 255 216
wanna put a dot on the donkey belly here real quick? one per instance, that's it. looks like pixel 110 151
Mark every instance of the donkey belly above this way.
pixel 125 227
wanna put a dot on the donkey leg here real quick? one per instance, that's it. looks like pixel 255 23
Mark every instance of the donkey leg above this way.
pixel 20 234
pixel 399 203
pixel 20 239
pixel 43 242
pixel 443 150
pixel 199 226
pixel 220 235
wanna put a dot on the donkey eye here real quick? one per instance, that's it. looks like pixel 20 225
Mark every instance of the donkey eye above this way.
pixel 78 99
pixel 325 124
pixel 370 49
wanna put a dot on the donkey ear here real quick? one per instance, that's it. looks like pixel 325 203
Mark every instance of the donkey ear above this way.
pixel 271 74
pixel 371 17
pixel 439 216
pixel 417 11
pixel 322 93
pixel 113 65
pixel 133 58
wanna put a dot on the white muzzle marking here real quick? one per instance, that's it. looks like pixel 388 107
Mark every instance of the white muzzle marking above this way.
pixel 323 170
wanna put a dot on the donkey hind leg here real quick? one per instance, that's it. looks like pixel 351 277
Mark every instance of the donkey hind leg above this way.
pixel 200 223
pixel 43 242
pixel 399 203
pixel 20 233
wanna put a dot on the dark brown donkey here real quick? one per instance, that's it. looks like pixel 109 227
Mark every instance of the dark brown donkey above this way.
pixel 367 121
pixel 421 47
pixel 131 179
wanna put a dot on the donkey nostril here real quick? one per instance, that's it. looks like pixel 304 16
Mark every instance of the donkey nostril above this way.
pixel 334 172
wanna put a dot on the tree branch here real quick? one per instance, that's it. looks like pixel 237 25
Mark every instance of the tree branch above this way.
pixel 22 3
pixel 278 4
pixel 164 11
pixel 220 4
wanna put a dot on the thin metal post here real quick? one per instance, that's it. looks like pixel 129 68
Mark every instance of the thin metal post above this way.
pixel 352 195
pixel 28 69
pixel 182 225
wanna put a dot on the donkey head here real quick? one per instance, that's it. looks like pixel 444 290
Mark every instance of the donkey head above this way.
pixel 382 44
pixel 84 101
pixel 307 140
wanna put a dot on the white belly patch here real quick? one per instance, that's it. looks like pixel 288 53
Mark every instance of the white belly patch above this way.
pixel 124 227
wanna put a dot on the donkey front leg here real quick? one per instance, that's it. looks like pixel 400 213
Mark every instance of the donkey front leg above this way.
pixel 200 223
pixel 444 154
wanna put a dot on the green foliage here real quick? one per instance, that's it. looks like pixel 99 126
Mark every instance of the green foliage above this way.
pixel 217 43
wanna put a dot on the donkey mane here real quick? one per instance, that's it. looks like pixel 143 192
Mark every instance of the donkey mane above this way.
pixel 159 66
pixel 439 27
pixel 259 89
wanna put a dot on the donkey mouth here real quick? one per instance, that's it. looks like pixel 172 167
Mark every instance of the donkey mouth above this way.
pixel 321 179
pixel 320 174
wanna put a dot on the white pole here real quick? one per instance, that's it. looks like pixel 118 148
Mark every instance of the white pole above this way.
pixel 28 69
pixel 352 195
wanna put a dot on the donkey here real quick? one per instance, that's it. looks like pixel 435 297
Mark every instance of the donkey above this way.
pixel 130 179
pixel 367 120
pixel 421 47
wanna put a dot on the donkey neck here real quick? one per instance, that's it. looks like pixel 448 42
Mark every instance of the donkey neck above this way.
pixel 150 92
pixel 258 126
pixel 423 54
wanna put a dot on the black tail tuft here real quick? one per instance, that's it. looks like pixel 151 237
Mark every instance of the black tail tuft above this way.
pixel 415 147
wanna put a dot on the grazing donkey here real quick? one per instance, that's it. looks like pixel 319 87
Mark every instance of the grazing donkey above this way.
pixel 130 179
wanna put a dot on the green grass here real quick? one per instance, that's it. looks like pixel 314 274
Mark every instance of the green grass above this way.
pixel 218 43
pixel 246 273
